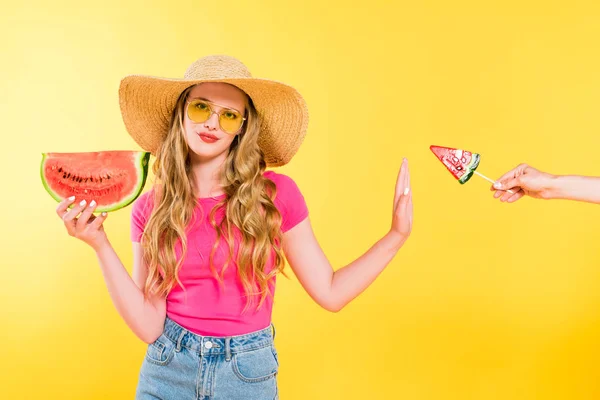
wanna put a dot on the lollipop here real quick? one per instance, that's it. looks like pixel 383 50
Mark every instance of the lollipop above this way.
pixel 462 164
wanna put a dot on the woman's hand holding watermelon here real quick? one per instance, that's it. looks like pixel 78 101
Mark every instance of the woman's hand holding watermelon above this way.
pixel 86 227
pixel 145 318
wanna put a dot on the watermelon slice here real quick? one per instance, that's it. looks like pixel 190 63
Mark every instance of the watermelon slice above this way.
pixel 114 179
pixel 460 163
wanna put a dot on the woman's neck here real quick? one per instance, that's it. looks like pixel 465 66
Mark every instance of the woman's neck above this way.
pixel 206 176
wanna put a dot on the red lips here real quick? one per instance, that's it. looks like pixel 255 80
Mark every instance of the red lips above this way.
pixel 207 137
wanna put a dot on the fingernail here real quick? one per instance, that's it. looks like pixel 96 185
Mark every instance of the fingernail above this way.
pixel 406 191
pixel 82 203
pixel 104 214
pixel 497 185
pixel 71 198
pixel 92 203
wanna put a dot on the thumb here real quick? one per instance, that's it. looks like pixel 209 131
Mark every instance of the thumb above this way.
pixel 98 221
pixel 403 201
pixel 508 184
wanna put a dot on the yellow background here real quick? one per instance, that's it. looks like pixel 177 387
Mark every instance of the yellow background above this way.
pixel 485 301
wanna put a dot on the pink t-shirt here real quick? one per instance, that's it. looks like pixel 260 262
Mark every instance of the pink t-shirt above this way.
pixel 211 309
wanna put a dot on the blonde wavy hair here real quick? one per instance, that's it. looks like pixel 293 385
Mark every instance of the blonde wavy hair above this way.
pixel 249 207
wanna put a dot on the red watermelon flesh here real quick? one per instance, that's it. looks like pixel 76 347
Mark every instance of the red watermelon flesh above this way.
pixel 114 179
pixel 460 163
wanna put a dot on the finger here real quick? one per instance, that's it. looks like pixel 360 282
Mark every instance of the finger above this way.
pixel 73 212
pixel 513 173
pixel 409 206
pixel 61 209
pixel 98 221
pixel 507 195
pixel 404 199
pixel 516 196
pixel 509 175
pixel 400 182
pixel 408 192
pixel 85 216
pixel 501 192
pixel 70 218
pixel 508 184
pixel 403 215
pixel 407 183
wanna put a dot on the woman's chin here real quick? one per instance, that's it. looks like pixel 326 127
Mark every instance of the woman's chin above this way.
pixel 206 152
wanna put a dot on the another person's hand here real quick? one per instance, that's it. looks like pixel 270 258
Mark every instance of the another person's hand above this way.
pixel 523 180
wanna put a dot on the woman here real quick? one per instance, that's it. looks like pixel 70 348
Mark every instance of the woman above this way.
pixel 212 234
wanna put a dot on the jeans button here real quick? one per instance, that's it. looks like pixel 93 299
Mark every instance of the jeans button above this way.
pixel 208 345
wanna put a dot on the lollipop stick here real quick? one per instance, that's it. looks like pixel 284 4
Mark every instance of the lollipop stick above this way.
pixel 489 180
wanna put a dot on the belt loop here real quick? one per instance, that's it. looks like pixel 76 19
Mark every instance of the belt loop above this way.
pixel 228 349
pixel 180 339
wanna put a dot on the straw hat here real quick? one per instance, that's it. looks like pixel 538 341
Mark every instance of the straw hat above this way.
pixel 147 103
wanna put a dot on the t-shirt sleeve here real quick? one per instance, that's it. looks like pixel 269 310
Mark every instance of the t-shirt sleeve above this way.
pixel 289 201
pixel 139 215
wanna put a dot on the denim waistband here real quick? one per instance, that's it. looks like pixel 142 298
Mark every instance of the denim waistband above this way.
pixel 208 345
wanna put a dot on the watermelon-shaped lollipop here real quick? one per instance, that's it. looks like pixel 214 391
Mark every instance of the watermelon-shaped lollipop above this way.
pixel 461 163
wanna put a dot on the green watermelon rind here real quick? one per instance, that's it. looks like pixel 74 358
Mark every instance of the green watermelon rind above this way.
pixel 141 163
pixel 471 168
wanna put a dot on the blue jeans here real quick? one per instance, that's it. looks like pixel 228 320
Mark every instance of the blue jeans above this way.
pixel 183 365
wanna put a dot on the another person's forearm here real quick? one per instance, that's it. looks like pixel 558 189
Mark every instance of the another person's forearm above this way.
pixel 574 187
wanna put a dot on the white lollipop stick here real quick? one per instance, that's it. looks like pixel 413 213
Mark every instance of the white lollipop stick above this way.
pixel 489 180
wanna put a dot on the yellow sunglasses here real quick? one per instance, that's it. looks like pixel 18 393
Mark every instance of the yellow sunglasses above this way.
pixel 230 120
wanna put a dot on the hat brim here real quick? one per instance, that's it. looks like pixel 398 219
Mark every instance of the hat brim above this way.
pixel 147 103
